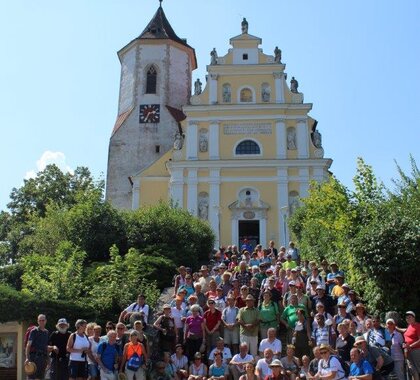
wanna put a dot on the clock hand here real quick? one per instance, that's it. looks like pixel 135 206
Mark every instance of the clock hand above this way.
pixel 147 116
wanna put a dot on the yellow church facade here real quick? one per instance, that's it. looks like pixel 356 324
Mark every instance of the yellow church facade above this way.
pixel 246 151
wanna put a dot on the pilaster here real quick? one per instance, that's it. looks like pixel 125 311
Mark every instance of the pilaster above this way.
pixel 192 195
pixel 283 204
pixel 214 140
pixel 213 88
pixel 192 141
pixel 302 137
pixel 303 182
pixel 135 194
pixel 279 86
pixel 177 187
pixel 281 139
pixel 214 203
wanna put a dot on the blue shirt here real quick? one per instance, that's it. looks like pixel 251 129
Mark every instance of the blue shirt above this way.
pixel 361 368
pixel 108 354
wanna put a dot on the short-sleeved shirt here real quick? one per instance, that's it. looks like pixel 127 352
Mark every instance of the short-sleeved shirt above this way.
pixel 39 340
pixel 229 314
pixel 412 334
pixel 246 359
pixel 136 308
pixel 194 325
pixel 108 354
pixel 325 367
pixel 361 368
pixel 218 371
pixel 212 319
pixel 321 335
pixel 248 315
pixel 179 363
pixel 227 355
pixel 264 368
pixel 290 316
pixel 275 345
pixel 373 355
pixel 344 346
pixel 396 345
pixel 60 340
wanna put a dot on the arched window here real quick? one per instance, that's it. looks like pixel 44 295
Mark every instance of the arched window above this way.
pixel 248 147
pixel 246 95
pixel 151 80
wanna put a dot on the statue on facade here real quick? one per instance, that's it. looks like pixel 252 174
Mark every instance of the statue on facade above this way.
pixel 265 94
pixel 197 87
pixel 277 55
pixel 227 94
pixel 317 139
pixel 178 141
pixel 244 26
pixel 294 84
pixel 291 139
pixel 203 143
pixel 214 56
pixel 294 205
pixel 203 209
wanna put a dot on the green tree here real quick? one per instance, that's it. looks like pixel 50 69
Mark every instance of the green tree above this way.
pixel 172 232
pixel 54 277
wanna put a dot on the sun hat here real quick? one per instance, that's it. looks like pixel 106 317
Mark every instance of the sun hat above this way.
pixel 62 321
pixel 275 363
pixel 359 339
pixel 30 368
pixel 249 298
pixel 410 313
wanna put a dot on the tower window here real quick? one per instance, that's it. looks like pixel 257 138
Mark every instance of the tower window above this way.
pixel 248 147
pixel 151 79
pixel 245 57
pixel 157 148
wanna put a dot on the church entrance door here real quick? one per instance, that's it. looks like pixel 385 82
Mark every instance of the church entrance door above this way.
pixel 249 229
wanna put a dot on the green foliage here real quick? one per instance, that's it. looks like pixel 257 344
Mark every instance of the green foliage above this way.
pixel 54 277
pixel 11 275
pixel 173 232
pixel 373 234
pixel 118 283
pixel 20 306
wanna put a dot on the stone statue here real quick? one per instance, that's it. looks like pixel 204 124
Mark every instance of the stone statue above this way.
pixel 203 143
pixel 277 55
pixel 244 26
pixel 291 139
pixel 317 139
pixel 197 87
pixel 178 141
pixel 294 204
pixel 265 94
pixel 227 94
pixel 214 56
pixel 294 85
pixel 203 209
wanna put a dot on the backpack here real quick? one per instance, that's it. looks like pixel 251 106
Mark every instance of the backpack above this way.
pixel 135 362
pixel 345 367
pixel 27 335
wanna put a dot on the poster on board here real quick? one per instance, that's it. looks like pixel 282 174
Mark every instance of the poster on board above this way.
pixel 8 350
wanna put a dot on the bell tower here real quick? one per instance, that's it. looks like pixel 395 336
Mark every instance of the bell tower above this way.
pixel 156 71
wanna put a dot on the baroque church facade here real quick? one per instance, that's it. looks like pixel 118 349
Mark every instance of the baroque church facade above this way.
pixel 239 152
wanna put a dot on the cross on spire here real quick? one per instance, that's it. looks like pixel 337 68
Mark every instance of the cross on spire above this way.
pixel 160 3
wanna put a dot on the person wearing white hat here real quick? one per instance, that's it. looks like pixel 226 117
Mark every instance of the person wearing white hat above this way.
pixel 59 369
pixel 397 353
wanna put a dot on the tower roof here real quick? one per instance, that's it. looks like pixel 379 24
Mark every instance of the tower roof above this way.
pixel 160 28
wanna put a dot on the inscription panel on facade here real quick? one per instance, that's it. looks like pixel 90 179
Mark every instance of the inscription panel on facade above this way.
pixel 248 129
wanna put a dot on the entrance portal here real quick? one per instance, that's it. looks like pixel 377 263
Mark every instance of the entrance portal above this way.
pixel 249 229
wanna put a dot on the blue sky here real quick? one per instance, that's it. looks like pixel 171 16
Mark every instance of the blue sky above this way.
pixel 358 62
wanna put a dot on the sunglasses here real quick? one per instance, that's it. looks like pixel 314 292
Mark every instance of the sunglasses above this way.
pixel 323 352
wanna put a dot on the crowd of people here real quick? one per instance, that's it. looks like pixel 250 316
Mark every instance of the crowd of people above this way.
pixel 250 314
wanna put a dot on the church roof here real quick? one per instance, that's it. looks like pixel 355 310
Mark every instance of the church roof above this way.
pixel 159 28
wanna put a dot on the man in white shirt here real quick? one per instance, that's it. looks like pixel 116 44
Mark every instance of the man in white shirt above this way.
pixel 230 324
pixel 271 342
pixel 220 347
pixel 177 313
pixel 238 362
pixel 137 307
pixel 263 365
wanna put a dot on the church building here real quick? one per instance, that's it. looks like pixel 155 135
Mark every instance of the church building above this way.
pixel 239 152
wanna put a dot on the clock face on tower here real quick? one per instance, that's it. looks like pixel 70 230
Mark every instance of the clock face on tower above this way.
pixel 149 113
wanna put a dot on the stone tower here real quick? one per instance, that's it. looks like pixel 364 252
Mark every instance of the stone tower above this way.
pixel 155 83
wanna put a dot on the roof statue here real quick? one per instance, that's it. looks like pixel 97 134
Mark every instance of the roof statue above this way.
pixel 244 26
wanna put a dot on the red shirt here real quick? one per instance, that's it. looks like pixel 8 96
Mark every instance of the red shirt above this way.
pixel 211 319
pixel 412 334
